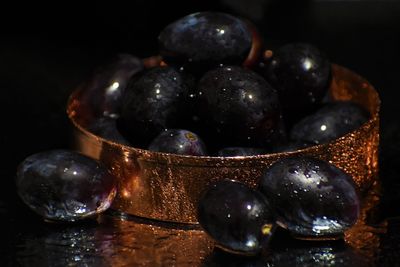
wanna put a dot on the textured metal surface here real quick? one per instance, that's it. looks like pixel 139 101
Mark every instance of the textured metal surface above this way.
pixel 167 187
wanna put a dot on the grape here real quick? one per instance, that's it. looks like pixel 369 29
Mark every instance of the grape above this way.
pixel 153 102
pixel 238 108
pixel 329 123
pixel 103 92
pixel 236 216
pixel 301 74
pixel 64 185
pixel 204 40
pixel 311 197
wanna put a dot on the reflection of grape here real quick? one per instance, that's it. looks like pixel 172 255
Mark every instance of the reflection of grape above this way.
pixel 178 141
pixel 64 185
pixel 236 216
pixel 293 253
pixel 106 128
pixel 311 197
pixel 240 151
pixel 317 255
pixel 219 258
pixel 109 241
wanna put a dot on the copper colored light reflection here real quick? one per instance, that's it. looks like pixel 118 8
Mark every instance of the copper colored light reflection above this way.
pixel 365 235
pixel 167 187
pixel 141 243
pixel 112 242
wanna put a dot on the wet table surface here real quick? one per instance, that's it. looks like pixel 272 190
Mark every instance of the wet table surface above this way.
pixel 40 66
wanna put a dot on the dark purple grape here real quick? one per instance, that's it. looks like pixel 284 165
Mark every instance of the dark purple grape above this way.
pixel 205 40
pixel 301 74
pixel 103 92
pixel 64 185
pixel 153 102
pixel 106 128
pixel 330 122
pixel 238 108
pixel 178 141
pixel 311 197
pixel 235 216
pixel 240 151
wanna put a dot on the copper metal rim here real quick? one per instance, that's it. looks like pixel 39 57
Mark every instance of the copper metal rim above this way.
pixel 167 187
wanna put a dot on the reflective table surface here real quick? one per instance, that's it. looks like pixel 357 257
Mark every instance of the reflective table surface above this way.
pixel 40 65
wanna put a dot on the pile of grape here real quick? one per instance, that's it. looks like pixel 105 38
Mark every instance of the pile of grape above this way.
pixel 215 94
pixel 308 197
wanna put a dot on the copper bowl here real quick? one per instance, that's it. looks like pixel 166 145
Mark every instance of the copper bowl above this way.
pixel 167 187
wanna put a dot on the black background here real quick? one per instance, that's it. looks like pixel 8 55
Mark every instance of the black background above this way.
pixel 45 52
